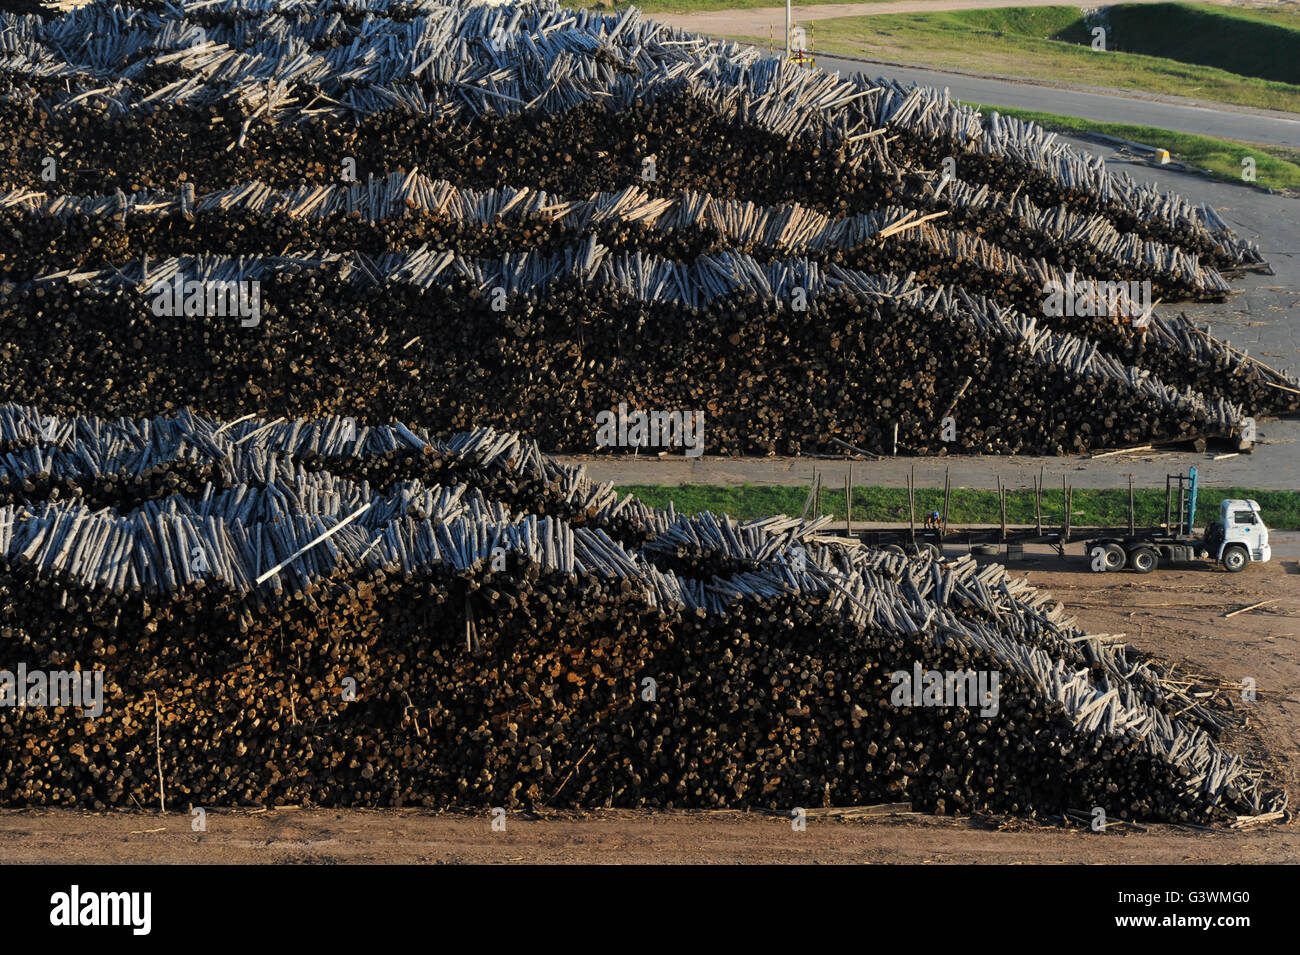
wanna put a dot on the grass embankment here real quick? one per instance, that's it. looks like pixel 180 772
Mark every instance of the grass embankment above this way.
pixel 1248 41
pixel 1092 506
pixel 1257 68
pixel 707 6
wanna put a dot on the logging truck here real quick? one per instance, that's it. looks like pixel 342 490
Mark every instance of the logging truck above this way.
pixel 1238 538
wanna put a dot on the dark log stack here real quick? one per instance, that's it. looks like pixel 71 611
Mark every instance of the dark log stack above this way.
pixel 26 8
pixel 273 632
pixel 650 203
pixel 768 378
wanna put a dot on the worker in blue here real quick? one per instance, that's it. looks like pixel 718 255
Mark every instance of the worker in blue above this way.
pixel 932 521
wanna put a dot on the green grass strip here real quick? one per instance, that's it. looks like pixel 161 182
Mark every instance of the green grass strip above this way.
pixel 1092 506
pixel 1226 38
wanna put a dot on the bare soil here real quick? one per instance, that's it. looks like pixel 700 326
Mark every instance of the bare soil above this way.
pixel 1175 614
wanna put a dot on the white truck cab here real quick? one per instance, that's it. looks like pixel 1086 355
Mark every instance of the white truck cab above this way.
pixel 1240 537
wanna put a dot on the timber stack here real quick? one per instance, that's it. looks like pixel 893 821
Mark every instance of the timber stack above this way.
pixel 318 612
pixel 525 216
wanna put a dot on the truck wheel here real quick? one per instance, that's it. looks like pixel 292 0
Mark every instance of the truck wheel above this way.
pixel 1235 559
pixel 1106 557
pixel 894 549
pixel 1142 559
pixel 931 551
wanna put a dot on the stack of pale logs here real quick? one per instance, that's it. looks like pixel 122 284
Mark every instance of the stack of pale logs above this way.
pixel 523 216
pixel 308 612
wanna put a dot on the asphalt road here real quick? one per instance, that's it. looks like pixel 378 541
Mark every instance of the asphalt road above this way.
pixel 1184 116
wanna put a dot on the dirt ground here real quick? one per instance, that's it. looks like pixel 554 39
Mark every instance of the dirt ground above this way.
pixel 1175 614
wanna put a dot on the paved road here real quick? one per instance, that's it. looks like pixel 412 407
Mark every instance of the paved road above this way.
pixel 1272 467
pixel 1185 116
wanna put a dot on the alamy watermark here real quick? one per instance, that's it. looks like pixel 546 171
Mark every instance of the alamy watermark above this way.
pixel 1089 299
pixel 651 429
pixel 209 299
pixel 83 689
pixel 973 688
pixel 81 908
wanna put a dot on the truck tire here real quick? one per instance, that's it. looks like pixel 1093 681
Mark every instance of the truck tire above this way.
pixel 1105 558
pixel 1143 560
pixel 985 550
pixel 1235 559
pixel 894 549
pixel 931 551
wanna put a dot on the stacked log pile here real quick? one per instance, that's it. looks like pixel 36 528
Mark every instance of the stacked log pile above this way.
pixel 274 628
pixel 1033 388
pixel 59 228
pixel 650 204
pixel 26 8
pixel 411 211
